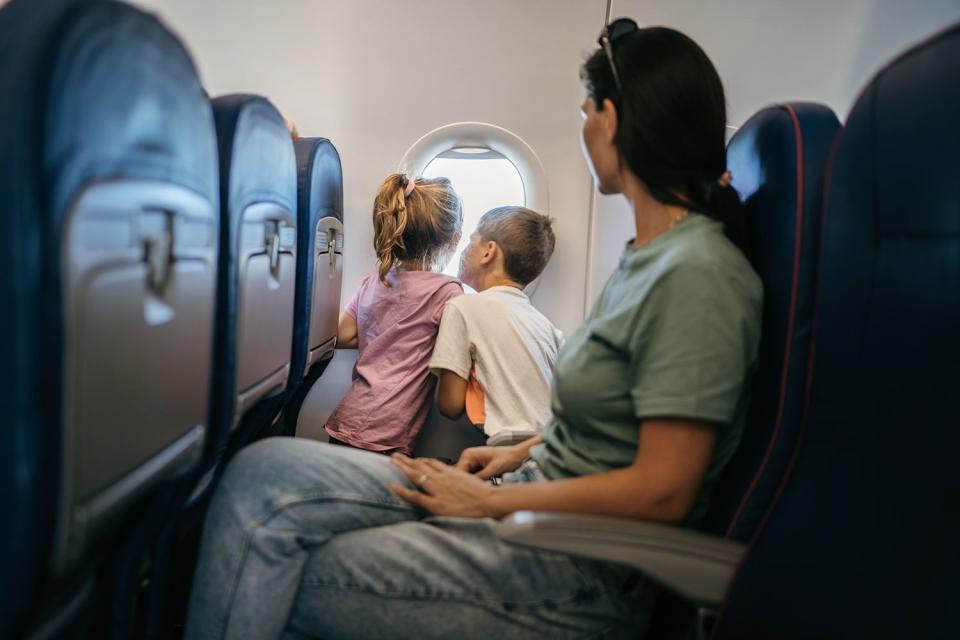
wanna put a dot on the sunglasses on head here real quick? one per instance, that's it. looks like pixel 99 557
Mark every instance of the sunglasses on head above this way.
pixel 610 34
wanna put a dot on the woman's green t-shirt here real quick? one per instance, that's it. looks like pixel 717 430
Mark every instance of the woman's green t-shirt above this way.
pixel 674 333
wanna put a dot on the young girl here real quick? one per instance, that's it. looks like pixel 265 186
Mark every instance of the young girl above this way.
pixel 393 318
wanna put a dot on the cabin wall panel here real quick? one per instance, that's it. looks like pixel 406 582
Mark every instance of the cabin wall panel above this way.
pixel 375 76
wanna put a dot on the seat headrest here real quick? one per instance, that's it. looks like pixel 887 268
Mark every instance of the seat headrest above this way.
pixel 899 153
pixel 768 154
pixel 119 98
pixel 257 162
pixel 125 100
pixel 319 178
pixel 891 257
pixel 779 159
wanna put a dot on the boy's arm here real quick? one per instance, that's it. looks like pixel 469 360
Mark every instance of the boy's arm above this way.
pixel 347 332
pixel 451 362
pixel 451 394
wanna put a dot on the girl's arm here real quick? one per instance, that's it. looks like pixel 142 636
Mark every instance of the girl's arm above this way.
pixel 347 332
pixel 661 484
pixel 451 394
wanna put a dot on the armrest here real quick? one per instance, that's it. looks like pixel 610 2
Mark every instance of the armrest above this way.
pixel 693 564
pixel 510 436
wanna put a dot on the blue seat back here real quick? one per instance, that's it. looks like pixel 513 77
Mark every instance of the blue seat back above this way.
pixel 257 266
pixel 778 159
pixel 861 541
pixel 319 254
pixel 108 192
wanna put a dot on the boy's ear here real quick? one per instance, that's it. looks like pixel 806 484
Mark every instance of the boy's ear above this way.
pixel 489 254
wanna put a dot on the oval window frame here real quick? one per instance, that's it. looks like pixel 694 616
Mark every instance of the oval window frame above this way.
pixel 482 134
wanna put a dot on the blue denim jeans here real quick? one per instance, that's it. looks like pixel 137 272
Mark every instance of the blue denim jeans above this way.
pixel 305 540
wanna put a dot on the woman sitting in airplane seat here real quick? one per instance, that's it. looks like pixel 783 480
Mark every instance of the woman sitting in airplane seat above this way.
pixel 394 316
pixel 308 540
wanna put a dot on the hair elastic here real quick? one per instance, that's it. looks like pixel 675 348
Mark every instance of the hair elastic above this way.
pixel 408 189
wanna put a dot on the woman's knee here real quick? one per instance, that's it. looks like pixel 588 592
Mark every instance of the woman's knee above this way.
pixel 264 456
pixel 253 477
pixel 270 462
pixel 280 470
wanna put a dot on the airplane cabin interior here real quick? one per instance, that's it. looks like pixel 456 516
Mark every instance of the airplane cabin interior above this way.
pixel 499 319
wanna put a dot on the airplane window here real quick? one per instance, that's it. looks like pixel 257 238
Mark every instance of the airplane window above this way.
pixel 484 179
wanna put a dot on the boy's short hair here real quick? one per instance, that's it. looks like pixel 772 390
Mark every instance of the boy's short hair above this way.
pixel 524 236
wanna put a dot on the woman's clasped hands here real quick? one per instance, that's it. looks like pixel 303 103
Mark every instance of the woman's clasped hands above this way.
pixel 459 490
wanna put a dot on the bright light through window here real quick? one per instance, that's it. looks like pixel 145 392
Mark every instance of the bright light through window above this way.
pixel 484 180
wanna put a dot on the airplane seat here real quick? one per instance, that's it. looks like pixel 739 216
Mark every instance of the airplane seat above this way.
pixel 256 270
pixel 861 541
pixel 108 188
pixel 319 267
pixel 778 160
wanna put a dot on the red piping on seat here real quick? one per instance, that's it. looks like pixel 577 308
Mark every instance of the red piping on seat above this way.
pixel 794 288
pixel 807 396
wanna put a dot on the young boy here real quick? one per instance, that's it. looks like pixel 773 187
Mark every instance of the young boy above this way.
pixel 495 352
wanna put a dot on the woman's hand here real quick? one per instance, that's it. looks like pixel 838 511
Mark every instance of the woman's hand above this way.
pixel 492 462
pixel 444 490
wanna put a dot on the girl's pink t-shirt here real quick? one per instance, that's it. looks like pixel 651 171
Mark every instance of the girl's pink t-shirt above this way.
pixel 392 389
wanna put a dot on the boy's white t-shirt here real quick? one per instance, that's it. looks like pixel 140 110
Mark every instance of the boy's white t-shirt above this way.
pixel 511 347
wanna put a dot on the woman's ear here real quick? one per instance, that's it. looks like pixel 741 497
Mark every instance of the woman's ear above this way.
pixel 609 118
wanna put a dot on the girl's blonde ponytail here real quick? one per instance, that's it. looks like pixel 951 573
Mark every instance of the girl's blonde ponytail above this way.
pixel 419 229
pixel 389 223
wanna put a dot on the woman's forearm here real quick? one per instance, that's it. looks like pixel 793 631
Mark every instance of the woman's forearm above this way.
pixel 661 484
pixel 623 493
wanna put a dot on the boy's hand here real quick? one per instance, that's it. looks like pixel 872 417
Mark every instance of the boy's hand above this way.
pixel 492 462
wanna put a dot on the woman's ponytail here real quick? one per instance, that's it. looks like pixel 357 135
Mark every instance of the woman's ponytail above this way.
pixel 712 197
pixel 723 204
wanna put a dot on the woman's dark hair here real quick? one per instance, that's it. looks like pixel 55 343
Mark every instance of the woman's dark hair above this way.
pixel 672 121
